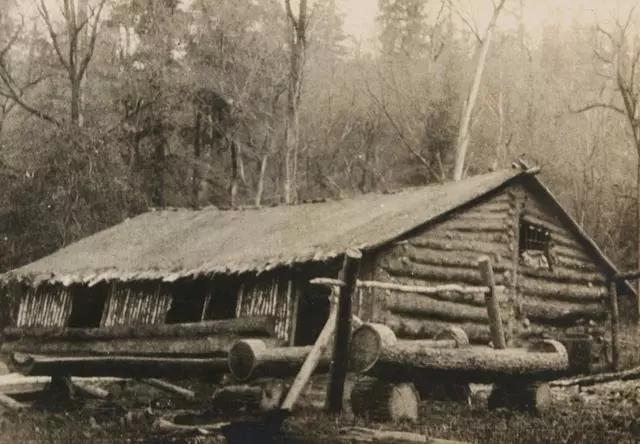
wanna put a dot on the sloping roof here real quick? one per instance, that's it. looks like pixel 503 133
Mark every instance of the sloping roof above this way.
pixel 172 244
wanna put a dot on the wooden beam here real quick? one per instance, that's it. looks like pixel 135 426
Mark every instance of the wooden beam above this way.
pixel 493 309
pixel 258 326
pixel 311 362
pixel 453 288
pixel 340 357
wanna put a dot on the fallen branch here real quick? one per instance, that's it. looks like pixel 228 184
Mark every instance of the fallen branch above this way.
pixel 171 388
pixel 10 403
pixel 624 375
pixel 362 434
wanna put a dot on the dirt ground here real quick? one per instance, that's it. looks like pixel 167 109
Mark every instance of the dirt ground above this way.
pixel 601 414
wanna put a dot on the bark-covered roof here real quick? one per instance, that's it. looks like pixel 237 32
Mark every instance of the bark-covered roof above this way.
pixel 172 244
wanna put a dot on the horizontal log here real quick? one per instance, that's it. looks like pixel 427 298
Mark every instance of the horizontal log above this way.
pixel 118 366
pixel 406 327
pixel 477 224
pixel 420 305
pixel 369 341
pixel 495 206
pixel 561 274
pixel 472 291
pixel 251 358
pixel 445 258
pixel 442 233
pixel 409 268
pixel 540 362
pixel 576 264
pixel 477 247
pixel 458 294
pixel 561 291
pixel 561 314
pixel 245 326
pixel 571 253
pixel 198 346
pixel 15 384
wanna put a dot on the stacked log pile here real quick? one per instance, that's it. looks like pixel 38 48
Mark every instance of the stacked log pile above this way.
pixel 420 360
pixel 518 373
pixel 190 349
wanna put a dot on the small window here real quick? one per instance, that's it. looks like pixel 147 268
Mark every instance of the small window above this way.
pixel 535 246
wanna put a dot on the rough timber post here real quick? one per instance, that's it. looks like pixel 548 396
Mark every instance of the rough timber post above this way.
pixel 493 309
pixel 615 321
pixel 340 357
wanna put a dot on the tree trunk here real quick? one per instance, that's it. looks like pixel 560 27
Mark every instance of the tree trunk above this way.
pixel 250 358
pixel 261 179
pixel 370 341
pixel 233 187
pixel 245 326
pixel 118 366
pixel 208 346
pixel 381 401
pixel 474 364
pixel 297 43
pixel 465 123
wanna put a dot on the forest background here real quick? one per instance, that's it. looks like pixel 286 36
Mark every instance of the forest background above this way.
pixel 111 107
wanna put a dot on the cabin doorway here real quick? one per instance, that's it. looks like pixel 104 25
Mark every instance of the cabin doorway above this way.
pixel 313 313
pixel 87 305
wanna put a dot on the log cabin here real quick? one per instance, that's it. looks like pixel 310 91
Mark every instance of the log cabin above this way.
pixel 182 265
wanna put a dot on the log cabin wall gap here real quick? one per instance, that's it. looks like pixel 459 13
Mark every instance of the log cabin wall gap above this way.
pixel 179 265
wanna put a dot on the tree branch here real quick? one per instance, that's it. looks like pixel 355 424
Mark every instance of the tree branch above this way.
pixel 44 14
pixel 596 105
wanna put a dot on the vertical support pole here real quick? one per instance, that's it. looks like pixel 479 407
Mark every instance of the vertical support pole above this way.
pixel 491 300
pixel 615 324
pixel 340 357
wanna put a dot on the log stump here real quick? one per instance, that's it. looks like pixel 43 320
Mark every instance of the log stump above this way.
pixel 531 397
pixel 384 402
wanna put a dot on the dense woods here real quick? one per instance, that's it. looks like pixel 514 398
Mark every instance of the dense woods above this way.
pixel 111 107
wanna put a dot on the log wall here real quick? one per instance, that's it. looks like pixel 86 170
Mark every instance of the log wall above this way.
pixel 538 301
pixel 131 304
pixel 448 253
pixel 44 306
pixel 573 292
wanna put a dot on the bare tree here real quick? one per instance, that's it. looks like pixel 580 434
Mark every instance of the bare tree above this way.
pixel 297 47
pixel 12 87
pixel 619 56
pixel 484 41
pixel 74 53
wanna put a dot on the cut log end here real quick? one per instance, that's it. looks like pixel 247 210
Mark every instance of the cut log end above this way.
pixel 243 357
pixel 454 333
pixel 381 401
pixel 367 343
